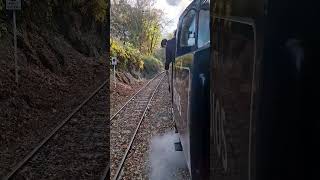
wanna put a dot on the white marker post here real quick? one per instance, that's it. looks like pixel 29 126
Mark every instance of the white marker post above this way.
pixel 114 63
pixel 14 5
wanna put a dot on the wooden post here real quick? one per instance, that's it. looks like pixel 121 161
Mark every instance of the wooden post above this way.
pixel 114 75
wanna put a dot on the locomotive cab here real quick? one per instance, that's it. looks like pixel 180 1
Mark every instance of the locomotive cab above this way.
pixel 189 79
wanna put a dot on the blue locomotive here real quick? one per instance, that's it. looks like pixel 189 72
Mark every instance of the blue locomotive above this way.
pixel 238 80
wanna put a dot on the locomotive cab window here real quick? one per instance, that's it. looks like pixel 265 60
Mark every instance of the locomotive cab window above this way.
pixel 187 32
pixel 204 26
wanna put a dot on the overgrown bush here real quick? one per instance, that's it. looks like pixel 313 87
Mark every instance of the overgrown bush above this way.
pixel 96 8
pixel 128 56
pixel 152 65
pixel 1 5
pixel 3 29
pixel 160 54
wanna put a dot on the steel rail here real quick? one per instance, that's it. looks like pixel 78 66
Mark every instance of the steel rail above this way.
pixel 135 95
pixel 45 140
pixel 116 177
pixel 107 169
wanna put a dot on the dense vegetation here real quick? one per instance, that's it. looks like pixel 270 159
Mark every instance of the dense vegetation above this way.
pixel 72 18
pixel 136 34
pixel 132 60
pixel 95 8
pixel 1 5
pixel 135 26
pixel 128 56
pixel 151 65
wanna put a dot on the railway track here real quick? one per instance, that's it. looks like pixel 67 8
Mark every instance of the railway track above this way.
pixel 125 124
pixel 77 147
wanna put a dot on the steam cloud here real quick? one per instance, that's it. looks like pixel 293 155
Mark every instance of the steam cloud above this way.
pixel 164 160
pixel 182 3
pixel 173 2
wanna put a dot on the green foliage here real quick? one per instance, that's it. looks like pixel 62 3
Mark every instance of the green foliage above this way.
pixel 170 35
pixel 153 36
pixel 3 29
pixel 127 55
pixel 137 26
pixel 100 10
pixel 96 8
pixel 151 65
pixel 160 54
pixel 130 58
pixel 92 9
pixel 140 24
pixel 1 5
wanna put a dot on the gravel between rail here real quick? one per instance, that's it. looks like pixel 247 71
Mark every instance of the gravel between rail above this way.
pixel 124 124
pixel 152 155
pixel 120 94
pixel 79 150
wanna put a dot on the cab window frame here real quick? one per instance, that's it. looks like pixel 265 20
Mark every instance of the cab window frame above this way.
pixel 203 7
pixel 181 50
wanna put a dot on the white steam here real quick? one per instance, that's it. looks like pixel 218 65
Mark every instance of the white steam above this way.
pixel 164 160
pixel 173 2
